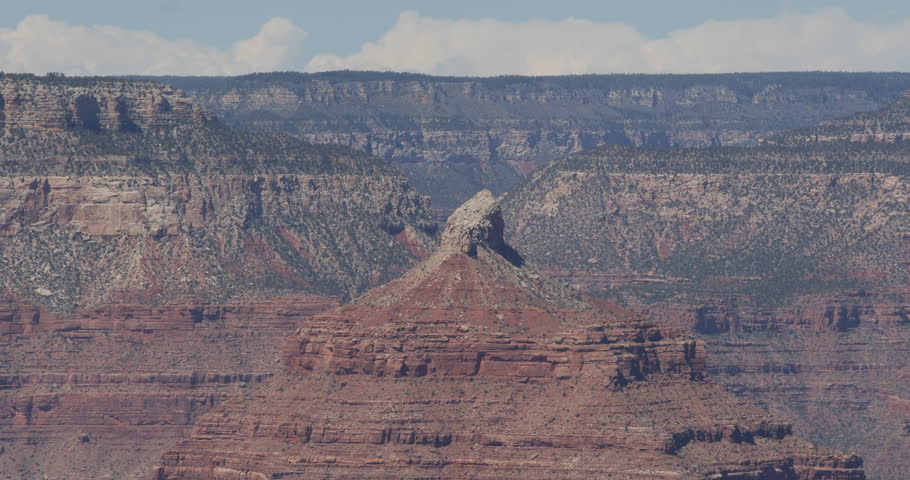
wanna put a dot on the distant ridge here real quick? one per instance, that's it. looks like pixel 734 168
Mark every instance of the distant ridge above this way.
pixel 453 136
pixel 890 124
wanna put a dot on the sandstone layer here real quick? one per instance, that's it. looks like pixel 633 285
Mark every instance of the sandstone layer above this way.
pixel 476 365
pixel 790 262
pixel 60 104
pixel 453 136
pixel 153 261
pixel 102 393
pixel 178 204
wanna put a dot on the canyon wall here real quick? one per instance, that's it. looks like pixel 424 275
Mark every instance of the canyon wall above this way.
pixel 791 263
pixel 58 104
pixel 834 364
pixel 453 136
pixel 103 392
pixel 78 241
pixel 182 205
pixel 887 125
pixel 154 259
pixel 153 262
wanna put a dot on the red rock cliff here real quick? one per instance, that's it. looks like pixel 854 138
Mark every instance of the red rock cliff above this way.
pixel 153 262
pixel 475 365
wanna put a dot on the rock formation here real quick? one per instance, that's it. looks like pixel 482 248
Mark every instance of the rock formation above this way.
pixel 181 205
pixel 153 261
pixel 102 393
pixel 475 365
pixel 454 136
pixel 60 104
pixel 789 261
pixel 888 125
pixel 756 220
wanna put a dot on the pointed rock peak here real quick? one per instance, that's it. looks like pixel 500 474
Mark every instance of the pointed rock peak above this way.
pixel 493 277
pixel 478 222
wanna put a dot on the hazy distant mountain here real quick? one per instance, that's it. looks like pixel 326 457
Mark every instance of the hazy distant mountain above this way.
pixel 453 136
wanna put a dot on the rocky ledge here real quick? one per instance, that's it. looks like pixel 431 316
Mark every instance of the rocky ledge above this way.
pixel 153 262
pixel 92 213
pixel 49 103
pixel 103 393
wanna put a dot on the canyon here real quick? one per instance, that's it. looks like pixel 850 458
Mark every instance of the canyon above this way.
pixel 888 125
pixel 474 364
pixel 102 393
pixel 453 136
pixel 183 205
pixel 159 248
pixel 153 261
pixel 789 259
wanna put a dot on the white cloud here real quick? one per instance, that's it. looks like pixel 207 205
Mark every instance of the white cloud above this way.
pixel 823 40
pixel 39 44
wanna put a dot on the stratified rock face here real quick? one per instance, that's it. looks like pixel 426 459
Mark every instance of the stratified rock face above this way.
pixel 153 262
pixel 48 103
pixel 790 262
pixel 454 136
pixel 845 389
pixel 888 125
pixel 475 365
pixel 768 221
pixel 833 364
pixel 103 393
pixel 182 205
pixel 77 242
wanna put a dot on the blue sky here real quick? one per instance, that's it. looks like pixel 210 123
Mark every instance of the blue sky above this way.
pixel 309 35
